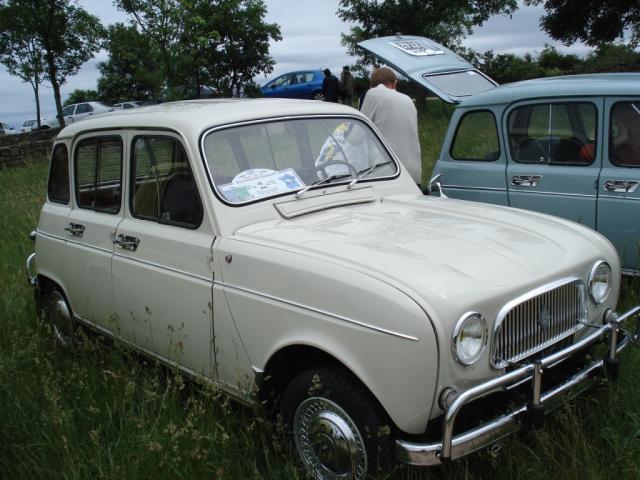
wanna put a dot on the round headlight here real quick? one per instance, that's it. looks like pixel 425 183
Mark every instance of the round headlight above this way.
pixel 600 281
pixel 469 338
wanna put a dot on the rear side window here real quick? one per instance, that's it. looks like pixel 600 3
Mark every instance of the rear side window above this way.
pixel 84 108
pixel 163 186
pixel 624 134
pixel 476 137
pixel 98 174
pixel 553 133
pixel 58 185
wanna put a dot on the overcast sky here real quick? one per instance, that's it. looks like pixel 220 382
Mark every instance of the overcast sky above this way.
pixel 310 39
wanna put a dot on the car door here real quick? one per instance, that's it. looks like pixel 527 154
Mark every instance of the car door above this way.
pixel 431 65
pixel 91 224
pixel 619 184
pixel 67 113
pixel 554 158
pixel 473 162
pixel 51 234
pixel 278 87
pixel 162 271
pixel 300 85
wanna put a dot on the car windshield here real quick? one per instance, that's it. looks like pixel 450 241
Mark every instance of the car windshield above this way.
pixel 262 160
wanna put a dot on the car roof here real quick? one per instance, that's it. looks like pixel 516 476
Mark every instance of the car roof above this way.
pixel 565 86
pixel 194 116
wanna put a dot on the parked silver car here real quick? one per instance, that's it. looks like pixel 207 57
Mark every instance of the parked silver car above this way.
pixel 77 111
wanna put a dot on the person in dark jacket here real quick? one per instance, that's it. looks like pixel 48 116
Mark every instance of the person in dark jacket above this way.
pixel 346 85
pixel 330 87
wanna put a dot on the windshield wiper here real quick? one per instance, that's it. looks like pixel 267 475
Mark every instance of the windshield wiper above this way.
pixel 363 173
pixel 320 182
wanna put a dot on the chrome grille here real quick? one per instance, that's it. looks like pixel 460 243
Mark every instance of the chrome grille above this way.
pixel 536 321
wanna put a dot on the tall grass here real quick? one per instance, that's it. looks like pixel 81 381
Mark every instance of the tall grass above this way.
pixel 100 411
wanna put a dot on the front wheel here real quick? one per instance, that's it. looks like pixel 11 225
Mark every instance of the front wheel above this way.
pixel 338 429
pixel 57 313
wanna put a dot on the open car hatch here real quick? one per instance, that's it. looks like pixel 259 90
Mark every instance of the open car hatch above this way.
pixel 432 65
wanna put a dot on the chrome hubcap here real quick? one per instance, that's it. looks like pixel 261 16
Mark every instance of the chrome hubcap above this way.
pixel 328 441
pixel 60 319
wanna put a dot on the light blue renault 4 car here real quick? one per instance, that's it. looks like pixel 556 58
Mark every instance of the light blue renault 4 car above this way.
pixel 567 146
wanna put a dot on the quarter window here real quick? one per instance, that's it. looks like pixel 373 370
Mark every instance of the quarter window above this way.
pixel 163 187
pixel 624 134
pixel 476 137
pixel 58 185
pixel 553 133
pixel 84 108
pixel 98 174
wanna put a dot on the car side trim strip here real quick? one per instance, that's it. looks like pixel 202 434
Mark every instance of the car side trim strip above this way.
pixel 620 197
pixel 317 310
pixel 488 189
pixel 164 267
pixel 557 194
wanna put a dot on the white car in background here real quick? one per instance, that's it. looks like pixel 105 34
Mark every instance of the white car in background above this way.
pixel 6 129
pixel 30 125
pixel 77 111
pixel 127 105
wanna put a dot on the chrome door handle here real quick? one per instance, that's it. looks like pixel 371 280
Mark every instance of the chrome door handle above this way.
pixel 75 229
pixel 526 180
pixel 126 242
pixel 620 186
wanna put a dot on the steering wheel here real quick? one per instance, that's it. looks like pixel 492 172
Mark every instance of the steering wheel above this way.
pixel 323 167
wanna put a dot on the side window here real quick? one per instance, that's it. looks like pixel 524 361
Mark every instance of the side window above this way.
pixel 308 77
pixel 84 108
pixel 163 187
pixel 624 134
pixel 476 137
pixel 282 81
pixel 68 110
pixel 58 185
pixel 98 174
pixel 554 133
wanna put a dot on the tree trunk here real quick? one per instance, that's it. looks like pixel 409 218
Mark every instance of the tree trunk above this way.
pixel 54 84
pixel 36 87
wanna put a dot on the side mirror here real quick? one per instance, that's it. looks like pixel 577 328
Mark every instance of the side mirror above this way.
pixel 434 184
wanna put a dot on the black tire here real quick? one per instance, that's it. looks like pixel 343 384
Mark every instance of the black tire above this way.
pixel 57 313
pixel 324 406
pixel 317 96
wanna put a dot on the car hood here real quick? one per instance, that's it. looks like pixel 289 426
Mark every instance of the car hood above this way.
pixel 439 248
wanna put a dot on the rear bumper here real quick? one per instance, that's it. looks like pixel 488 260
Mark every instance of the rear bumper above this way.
pixel 453 446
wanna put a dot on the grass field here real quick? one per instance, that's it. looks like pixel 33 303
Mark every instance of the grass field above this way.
pixel 99 411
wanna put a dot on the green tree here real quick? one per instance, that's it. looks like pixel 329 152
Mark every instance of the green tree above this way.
pixel 20 52
pixel 79 96
pixel 67 34
pixel 218 43
pixel 612 58
pixel 590 21
pixel 445 21
pixel 131 71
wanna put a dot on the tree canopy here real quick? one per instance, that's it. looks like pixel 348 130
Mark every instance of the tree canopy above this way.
pixel 65 34
pixel 20 51
pixel 591 21
pixel 221 44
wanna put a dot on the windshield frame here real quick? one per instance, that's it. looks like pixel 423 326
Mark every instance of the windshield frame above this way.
pixel 260 121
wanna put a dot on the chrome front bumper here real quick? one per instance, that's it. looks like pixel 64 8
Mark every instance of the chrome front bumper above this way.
pixel 452 447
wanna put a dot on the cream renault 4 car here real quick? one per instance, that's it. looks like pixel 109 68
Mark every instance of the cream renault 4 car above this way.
pixel 280 250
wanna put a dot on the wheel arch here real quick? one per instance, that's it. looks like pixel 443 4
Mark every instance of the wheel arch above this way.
pixel 293 359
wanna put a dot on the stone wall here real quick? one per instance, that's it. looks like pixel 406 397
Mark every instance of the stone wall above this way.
pixel 26 147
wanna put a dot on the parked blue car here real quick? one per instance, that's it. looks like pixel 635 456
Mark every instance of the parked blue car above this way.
pixel 302 84
pixel 567 146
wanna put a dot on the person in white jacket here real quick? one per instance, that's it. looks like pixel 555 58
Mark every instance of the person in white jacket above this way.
pixel 396 117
